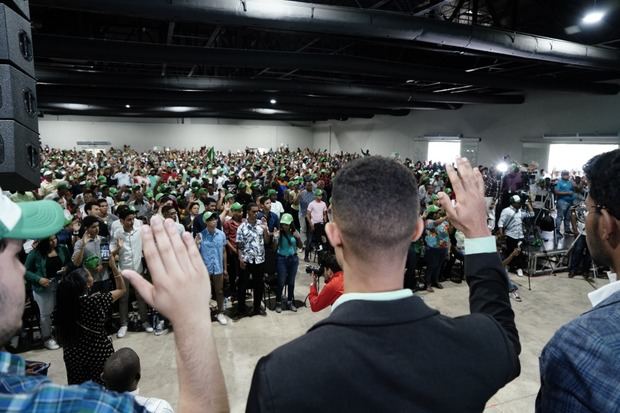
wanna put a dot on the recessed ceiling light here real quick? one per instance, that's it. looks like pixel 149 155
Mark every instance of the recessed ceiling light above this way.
pixel 273 101
pixel 180 108
pixel 593 17
pixel 410 81
pixel 76 106
pixel 268 111
pixel 127 106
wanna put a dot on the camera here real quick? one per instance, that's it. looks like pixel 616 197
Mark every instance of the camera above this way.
pixel 316 269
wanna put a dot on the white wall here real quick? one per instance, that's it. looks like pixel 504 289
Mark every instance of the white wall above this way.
pixel 143 134
pixel 502 128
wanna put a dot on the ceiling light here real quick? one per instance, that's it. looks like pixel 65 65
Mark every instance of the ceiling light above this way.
pixel 179 109
pixel 410 81
pixel 273 101
pixel 593 17
pixel 127 106
pixel 268 111
pixel 502 167
pixel 75 106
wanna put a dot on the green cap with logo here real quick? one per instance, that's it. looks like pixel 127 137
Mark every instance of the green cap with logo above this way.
pixel 272 192
pixel 92 262
pixel 318 193
pixel 236 207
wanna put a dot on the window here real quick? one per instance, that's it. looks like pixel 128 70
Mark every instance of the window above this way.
pixel 573 156
pixel 444 152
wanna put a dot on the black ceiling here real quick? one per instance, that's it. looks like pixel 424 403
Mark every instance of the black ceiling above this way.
pixel 326 59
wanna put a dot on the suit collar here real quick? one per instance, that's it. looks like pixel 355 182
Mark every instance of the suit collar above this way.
pixel 369 313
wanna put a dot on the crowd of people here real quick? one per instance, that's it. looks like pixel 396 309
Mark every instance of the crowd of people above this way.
pixel 250 216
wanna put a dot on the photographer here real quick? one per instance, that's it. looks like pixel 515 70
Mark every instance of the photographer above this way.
pixel 334 285
pixel 511 228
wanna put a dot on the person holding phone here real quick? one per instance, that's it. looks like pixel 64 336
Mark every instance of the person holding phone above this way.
pixel 90 244
pixel 45 265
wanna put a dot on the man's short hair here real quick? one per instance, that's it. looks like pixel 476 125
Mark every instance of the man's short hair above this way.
pixel 331 263
pixel 101 201
pixel 125 212
pixel 89 205
pixel 603 173
pixel 166 209
pixel 122 370
pixel 369 226
pixel 87 222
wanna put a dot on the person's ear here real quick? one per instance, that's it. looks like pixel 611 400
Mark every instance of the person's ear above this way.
pixel 333 234
pixel 608 225
pixel 418 230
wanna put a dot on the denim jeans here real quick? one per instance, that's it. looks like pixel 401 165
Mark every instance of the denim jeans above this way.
pixel 46 300
pixel 563 214
pixel 287 270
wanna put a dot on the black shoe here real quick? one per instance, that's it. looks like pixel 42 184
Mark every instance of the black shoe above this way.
pixel 306 259
pixel 291 306
pixel 278 308
pixel 571 274
pixel 259 311
pixel 438 286
pixel 240 313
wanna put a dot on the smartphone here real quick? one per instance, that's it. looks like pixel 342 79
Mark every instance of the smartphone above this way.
pixel 105 252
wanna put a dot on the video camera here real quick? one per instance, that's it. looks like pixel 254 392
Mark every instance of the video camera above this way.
pixel 322 252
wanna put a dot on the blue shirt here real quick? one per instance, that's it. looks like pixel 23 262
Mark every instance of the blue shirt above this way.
pixel 37 394
pixel 580 366
pixel 273 221
pixel 212 250
pixel 437 236
pixel 564 186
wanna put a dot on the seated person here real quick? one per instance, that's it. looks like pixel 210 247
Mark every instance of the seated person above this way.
pixel 334 285
pixel 121 373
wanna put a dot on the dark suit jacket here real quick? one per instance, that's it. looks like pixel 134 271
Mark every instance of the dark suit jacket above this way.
pixel 398 356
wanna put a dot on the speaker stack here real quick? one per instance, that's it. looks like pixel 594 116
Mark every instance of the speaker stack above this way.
pixel 19 129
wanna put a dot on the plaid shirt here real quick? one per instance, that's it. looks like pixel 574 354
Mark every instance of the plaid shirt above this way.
pixel 37 394
pixel 579 367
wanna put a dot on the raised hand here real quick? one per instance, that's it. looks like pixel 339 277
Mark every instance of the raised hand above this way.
pixel 469 213
pixel 180 279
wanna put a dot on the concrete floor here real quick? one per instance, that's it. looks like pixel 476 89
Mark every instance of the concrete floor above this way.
pixel 553 301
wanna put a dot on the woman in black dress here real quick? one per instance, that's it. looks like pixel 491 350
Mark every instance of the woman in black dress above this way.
pixel 80 319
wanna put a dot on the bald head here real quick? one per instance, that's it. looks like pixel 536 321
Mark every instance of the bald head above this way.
pixel 121 371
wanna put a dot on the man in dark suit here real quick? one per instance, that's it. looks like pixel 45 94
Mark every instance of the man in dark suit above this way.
pixel 382 348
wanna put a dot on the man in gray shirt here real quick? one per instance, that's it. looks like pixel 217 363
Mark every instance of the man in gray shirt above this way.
pixel 90 245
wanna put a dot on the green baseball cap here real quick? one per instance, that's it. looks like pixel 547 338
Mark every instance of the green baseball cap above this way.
pixel 286 219
pixel 209 215
pixel 159 196
pixel 272 192
pixel 431 209
pixel 318 192
pixel 236 207
pixel 434 197
pixel 254 185
pixel 136 187
pixel 29 220
pixel 228 196
pixel 113 191
pixel 241 185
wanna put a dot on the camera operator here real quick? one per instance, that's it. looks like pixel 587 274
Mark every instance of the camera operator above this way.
pixel 511 228
pixel 334 285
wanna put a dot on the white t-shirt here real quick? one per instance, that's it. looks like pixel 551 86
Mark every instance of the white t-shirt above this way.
pixel 152 404
pixel 277 208
pixel 123 179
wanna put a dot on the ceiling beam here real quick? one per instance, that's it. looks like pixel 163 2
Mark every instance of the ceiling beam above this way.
pixel 262 85
pixel 179 98
pixel 51 46
pixel 346 21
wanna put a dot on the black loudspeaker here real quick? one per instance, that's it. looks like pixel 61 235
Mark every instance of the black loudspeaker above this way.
pixel 16 40
pixel 19 157
pixel 18 99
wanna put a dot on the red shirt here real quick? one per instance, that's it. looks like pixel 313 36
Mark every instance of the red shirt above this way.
pixel 333 289
pixel 230 230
